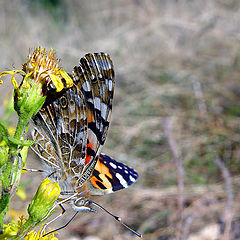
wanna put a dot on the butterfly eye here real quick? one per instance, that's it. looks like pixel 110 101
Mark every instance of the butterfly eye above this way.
pixel 63 102
pixel 80 202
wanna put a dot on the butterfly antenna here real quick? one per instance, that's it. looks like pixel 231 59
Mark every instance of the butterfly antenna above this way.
pixel 55 230
pixel 118 219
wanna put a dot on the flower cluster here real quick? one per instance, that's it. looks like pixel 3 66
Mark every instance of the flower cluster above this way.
pixel 42 67
pixel 11 230
pixel 41 75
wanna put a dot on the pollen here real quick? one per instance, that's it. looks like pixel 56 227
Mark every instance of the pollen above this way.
pixel 42 66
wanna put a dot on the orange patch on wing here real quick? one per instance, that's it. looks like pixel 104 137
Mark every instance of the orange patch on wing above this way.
pixel 103 172
pixel 90 116
pixel 93 182
pixel 88 157
pixel 102 169
pixel 104 181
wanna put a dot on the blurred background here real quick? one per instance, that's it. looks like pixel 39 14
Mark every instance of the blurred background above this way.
pixel 176 108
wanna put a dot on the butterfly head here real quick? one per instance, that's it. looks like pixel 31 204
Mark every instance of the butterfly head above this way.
pixel 82 204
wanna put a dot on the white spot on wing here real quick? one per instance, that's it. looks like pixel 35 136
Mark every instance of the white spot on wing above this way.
pixel 132 179
pixel 86 86
pixel 110 85
pixel 109 65
pixel 113 165
pixel 104 111
pixel 122 180
pixel 90 100
pixel 97 103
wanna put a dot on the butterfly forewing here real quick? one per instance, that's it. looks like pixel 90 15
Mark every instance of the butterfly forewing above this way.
pixel 95 77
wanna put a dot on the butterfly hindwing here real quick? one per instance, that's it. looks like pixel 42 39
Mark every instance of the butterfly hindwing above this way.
pixel 110 176
pixel 61 132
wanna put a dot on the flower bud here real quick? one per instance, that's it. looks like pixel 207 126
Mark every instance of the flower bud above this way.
pixel 42 202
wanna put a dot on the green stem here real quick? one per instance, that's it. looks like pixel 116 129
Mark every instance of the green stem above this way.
pixel 10 173
pixel 4 203
pixel 20 128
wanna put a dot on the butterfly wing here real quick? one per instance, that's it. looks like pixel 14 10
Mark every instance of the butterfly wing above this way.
pixel 61 132
pixel 95 77
pixel 110 176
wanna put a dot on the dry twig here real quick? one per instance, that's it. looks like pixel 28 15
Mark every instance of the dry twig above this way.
pixel 178 162
pixel 228 212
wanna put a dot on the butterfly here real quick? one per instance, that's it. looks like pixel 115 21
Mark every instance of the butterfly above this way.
pixel 71 129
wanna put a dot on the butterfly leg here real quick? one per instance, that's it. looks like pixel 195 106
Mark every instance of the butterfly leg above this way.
pixel 65 225
pixel 52 209
pixel 46 224
pixel 33 170
pixel 79 205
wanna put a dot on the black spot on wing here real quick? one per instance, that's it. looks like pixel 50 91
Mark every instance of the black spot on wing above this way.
pixel 96 174
pixel 97 131
pixel 90 152
pixel 100 185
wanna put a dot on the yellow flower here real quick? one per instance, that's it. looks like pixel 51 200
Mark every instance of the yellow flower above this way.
pixel 11 229
pixel 41 75
pixel 42 66
pixel 37 236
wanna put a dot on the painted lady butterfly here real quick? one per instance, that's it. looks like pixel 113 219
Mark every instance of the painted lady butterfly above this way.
pixel 71 129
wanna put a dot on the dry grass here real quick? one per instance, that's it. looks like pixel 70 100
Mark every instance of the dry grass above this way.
pixel 174 59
